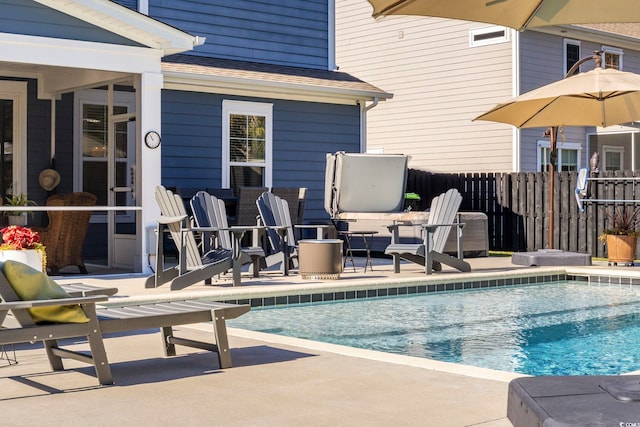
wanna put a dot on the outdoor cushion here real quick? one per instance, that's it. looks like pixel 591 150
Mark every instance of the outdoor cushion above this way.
pixel 30 284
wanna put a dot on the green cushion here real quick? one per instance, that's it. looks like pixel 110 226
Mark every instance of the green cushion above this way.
pixel 31 284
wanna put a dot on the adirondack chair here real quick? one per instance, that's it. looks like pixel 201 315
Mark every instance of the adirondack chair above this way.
pixel 210 212
pixel 274 214
pixel 442 217
pixel 193 267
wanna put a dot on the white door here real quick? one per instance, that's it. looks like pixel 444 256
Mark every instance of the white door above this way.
pixel 13 101
pixel 106 168
pixel 121 225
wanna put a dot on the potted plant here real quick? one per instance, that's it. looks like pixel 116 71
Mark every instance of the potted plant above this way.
pixel 622 237
pixel 23 244
pixel 18 217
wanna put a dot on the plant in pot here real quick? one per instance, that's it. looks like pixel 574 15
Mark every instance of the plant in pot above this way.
pixel 23 244
pixel 621 239
pixel 18 217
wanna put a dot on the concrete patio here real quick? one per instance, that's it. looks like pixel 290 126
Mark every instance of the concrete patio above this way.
pixel 274 381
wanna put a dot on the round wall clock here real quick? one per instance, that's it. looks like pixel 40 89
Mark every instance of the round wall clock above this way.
pixel 152 139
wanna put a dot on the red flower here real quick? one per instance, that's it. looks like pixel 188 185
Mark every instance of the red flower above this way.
pixel 17 237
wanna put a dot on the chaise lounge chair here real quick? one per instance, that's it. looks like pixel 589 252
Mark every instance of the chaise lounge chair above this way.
pixel 20 325
pixel 193 267
pixel 210 212
pixel 442 217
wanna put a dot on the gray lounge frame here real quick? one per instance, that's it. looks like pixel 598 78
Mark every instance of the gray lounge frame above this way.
pixel 18 326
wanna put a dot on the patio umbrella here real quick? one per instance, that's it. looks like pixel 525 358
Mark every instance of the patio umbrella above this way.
pixel 518 14
pixel 601 97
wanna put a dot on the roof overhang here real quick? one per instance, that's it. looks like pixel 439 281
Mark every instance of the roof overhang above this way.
pixel 273 82
pixel 127 23
pixel 591 33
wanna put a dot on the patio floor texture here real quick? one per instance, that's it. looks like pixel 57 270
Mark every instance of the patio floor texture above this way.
pixel 274 381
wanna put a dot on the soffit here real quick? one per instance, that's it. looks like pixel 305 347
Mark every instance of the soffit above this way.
pixel 127 23
pixel 276 79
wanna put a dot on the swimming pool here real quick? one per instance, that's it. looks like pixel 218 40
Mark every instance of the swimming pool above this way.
pixel 568 328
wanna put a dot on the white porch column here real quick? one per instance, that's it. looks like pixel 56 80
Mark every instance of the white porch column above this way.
pixel 148 163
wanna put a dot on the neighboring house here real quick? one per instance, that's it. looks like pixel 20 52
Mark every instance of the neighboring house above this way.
pixel 443 73
pixel 241 93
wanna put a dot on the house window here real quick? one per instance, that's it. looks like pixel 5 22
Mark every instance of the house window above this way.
pixel 246 144
pixel 611 57
pixel 567 156
pixel 612 157
pixel 487 36
pixel 571 54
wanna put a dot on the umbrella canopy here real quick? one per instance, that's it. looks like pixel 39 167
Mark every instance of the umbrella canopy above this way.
pixel 600 97
pixel 518 14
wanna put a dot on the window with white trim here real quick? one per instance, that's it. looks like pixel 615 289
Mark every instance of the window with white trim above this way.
pixel 488 35
pixel 568 156
pixel 612 157
pixel 571 54
pixel 246 144
pixel 612 57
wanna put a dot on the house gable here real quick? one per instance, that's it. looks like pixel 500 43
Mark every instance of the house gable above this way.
pixel 33 19
pixel 284 32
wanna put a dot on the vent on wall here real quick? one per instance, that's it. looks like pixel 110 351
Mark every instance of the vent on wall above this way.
pixel 488 35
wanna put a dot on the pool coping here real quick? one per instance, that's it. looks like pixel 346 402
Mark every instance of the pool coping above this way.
pixel 321 290
pixel 314 291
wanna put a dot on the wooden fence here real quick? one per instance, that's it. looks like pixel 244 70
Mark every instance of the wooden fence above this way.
pixel 517 206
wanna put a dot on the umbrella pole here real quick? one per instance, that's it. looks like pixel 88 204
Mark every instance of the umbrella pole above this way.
pixel 553 135
pixel 553 138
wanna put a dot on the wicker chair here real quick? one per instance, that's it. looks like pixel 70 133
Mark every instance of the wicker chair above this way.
pixel 64 236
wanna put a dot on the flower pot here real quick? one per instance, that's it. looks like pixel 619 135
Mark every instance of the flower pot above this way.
pixel 32 257
pixel 621 248
pixel 17 219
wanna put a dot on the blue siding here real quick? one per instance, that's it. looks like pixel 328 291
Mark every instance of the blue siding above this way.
pixel 131 4
pixel 30 18
pixel 286 32
pixel 303 132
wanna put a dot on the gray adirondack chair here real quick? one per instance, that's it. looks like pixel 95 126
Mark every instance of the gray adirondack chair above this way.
pixel 442 218
pixel 276 217
pixel 193 266
pixel 210 212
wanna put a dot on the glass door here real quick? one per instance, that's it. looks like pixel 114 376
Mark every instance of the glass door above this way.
pixel 108 165
pixel 122 224
pixel 6 148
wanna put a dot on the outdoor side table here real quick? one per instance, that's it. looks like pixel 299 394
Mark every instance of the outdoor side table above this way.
pixel 349 250
pixel 320 259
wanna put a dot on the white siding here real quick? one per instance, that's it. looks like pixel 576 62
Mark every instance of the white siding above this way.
pixel 439 84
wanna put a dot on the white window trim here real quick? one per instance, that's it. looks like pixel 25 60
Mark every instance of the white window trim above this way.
pixel 17 92
pixel 559 146
pixel 486 30
pixel 615 50
pixel 564 52
pixel 247 108
pixel 611 149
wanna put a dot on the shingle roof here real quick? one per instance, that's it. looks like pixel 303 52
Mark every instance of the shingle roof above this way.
pixel 630 30
pixel 254 71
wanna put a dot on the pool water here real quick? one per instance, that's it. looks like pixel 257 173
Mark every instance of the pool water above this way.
pixel 569 328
